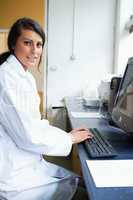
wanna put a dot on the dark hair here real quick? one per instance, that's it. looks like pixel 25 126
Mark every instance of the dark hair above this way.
pixel 15 32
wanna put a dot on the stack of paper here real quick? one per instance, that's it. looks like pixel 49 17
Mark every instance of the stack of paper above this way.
pixel 111 173
pixel 86 114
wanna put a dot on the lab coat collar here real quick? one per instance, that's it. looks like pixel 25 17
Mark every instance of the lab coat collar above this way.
pixel 16 65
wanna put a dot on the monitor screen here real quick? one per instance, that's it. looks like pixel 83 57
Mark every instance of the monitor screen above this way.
pixel 122 113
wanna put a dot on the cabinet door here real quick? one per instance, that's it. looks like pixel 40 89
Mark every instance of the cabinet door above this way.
pixel 3 41
pixel 75 161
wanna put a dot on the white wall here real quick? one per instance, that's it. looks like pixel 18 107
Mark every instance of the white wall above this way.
pixel 91 44
pixel 124 38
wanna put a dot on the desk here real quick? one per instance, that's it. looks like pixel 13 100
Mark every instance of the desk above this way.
pixel 122 143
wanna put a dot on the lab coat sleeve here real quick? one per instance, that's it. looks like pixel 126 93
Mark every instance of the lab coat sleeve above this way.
pixel 29 133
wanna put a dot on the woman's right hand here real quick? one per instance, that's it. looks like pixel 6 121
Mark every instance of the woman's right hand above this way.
pixel 80 134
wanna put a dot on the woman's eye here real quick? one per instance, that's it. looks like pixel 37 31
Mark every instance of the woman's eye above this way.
pixel 39 44
pixel 27 43
pixel 30 43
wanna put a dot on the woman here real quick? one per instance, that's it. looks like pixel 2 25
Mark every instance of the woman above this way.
pixel 24 138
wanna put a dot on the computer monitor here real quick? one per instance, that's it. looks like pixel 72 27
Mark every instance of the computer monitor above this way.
pixel 122 113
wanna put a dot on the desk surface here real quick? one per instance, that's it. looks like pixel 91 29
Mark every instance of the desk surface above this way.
pixel 122 143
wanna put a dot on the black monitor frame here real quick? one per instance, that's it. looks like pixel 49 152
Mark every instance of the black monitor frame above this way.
pixel 121 115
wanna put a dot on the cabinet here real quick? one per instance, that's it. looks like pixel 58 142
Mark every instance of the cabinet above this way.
pixel 3 41
pixel 75 161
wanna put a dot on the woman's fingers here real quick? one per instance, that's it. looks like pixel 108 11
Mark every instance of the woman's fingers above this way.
pixel 80 134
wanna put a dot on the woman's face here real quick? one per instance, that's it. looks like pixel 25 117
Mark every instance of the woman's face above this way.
pixel 28 48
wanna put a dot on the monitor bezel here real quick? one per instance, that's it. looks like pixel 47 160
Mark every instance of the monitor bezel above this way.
pixel 119 118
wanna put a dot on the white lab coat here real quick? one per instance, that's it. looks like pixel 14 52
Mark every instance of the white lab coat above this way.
pixel 24 174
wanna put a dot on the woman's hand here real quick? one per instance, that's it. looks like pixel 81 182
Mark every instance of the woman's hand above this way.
pixel 80 134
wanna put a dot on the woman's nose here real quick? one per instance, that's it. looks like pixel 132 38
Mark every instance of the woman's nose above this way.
pixel 34 47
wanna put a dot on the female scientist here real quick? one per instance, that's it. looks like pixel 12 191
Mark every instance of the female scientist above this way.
pixel 24 138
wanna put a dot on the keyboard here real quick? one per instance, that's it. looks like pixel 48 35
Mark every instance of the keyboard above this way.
pixel 99 147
